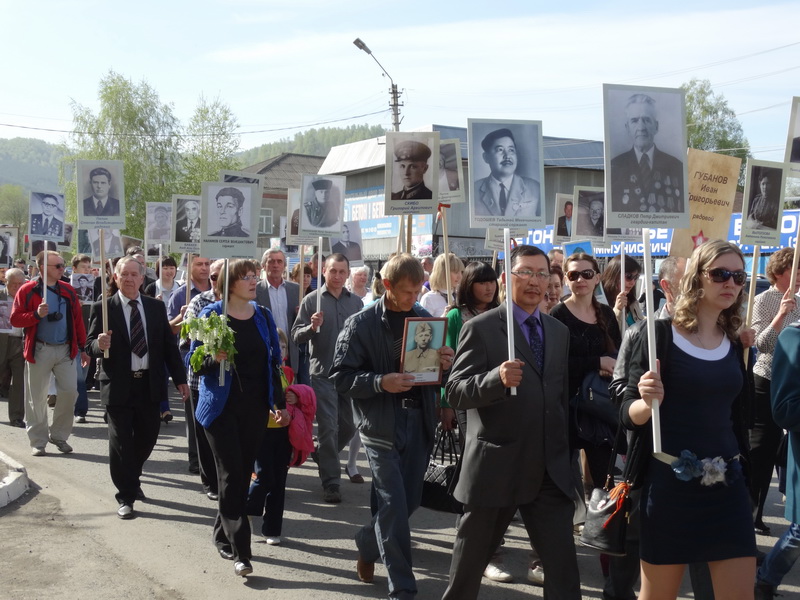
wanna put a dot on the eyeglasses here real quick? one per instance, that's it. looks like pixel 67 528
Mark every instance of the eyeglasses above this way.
pixel 526 274
pixel 50 204
pixel 587 274
pixel 59 266
pixel 722 275
pixel 249 278
pixel 631 276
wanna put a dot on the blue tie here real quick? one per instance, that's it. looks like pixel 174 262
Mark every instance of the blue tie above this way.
pixel 537 347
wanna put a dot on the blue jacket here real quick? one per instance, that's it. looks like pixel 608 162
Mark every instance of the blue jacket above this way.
pixel 786 410
pixel 213 396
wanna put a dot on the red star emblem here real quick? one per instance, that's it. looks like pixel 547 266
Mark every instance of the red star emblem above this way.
pixel 699 239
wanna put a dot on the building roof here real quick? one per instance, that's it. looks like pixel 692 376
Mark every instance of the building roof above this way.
pixel 368 154
pixel 286 170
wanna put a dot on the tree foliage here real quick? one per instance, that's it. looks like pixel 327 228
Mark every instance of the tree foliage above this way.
pixel 31 163
pixel 712 125
pixel 14 202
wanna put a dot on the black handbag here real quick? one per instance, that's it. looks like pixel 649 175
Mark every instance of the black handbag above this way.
pixel 608 512
pixel 442 474
pixel 593 412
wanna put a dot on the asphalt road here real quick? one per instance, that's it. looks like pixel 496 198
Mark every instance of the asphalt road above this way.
pixel 63 539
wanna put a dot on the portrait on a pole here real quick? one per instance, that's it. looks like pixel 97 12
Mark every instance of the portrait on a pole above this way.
pixel 9 238
pixel 506 173
pixel 645 156
pixel 349 243
pixel 763 203
pixel 69 232
pixel 412 173
pixel 322 205
pixel 422 339
pixel 46 218
pixel 293 235
pixel 186 232
pixel 590 221
pixel 230 219
pixel 451 174
pixel 793 141
pixel 565 214
pixel 101 194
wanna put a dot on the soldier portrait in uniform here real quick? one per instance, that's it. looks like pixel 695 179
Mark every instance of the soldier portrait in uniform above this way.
pixel 410 165
pixel 421 342
pixel 321 209
pixel 229 210
pixel 47 216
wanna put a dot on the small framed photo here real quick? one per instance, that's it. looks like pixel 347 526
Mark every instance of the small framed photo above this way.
pixel 5 315
pixel 84 286
pixel 422 339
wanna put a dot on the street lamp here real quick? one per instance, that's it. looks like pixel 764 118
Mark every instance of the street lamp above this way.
pixel 394 103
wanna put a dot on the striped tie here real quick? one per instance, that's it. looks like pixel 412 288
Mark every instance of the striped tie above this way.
pixel 138 341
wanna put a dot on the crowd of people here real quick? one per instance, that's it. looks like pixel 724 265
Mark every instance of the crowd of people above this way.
pixel 328 348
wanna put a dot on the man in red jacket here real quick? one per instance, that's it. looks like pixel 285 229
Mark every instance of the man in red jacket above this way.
pixel 49 311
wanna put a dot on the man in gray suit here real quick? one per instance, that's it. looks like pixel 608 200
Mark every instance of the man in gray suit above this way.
pixel 281 297
pixel 516 453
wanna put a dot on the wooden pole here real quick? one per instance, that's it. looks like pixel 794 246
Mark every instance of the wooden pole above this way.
pixel 447 257
pixel 400 235
pixel 751 295
pixel 408 234
pixel 224 316
pixel 104 284
pixel 319 276
pixel 509 297
pixel 189 278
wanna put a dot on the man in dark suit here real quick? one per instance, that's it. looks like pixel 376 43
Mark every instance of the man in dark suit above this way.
pixel 564 228
pixel 645 179
pixel 411 164
pixel 344 246
pixel 46 223
pixel 187 229
pixel 591 221
pixel 133 382
pixel 281 297
pixel 516 452
pixel 504 193
pixel 99 204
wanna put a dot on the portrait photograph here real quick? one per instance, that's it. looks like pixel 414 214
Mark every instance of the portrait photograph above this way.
pixel 37 246
pixel 46 217
pixel 186 232
pixel 645 156
pixel 589 210
pixel 69 232
pixel 411 183
pixel 5 315
pixel 579 247
pixel 565 218
pixel 793 141
pixel 129 242
pixel 495 238
pixel 9 237
pixel 349 243
pixel 422 338
pixel 229 215
pixel 101 194
pixel 451 173
pixel 322 205
pixel 762 208
pixel 89 243
pixel 285 247
pixel 506 160
pixel 84 286
pixel 159 222
pixel 243 177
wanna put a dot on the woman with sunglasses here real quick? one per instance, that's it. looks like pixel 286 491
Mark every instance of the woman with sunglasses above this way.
pixel 594 339
pixel 235 413
pixel 623 299
pixel 694 505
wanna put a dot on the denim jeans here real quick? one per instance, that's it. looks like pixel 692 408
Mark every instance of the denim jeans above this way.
pixel 781 558
pixel 397 476
pixel 82 402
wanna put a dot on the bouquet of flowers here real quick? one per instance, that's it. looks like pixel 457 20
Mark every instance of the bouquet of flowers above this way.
pixel 215 335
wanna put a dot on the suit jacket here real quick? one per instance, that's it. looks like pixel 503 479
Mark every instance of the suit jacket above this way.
pixel 292 302
pixel 561 229
pixel 511 440
pixel 522 198
pixel 352 252
pixel 418 192
pixel 184 234
pixel 114 372
pixel 55 228
pixel 587 228
pixel 662 191
pixel 110 207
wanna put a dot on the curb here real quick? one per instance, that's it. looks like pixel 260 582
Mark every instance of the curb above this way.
pixel 15 483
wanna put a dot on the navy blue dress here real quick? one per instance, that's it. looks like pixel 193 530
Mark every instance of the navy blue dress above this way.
pixel 685 521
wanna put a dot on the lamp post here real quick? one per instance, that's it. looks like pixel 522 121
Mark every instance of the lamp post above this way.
pixel 395 105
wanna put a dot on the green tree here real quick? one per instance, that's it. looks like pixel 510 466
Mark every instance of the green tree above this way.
pixel 712 125
pixel 134 126
pixel 210 145
pixel 14 206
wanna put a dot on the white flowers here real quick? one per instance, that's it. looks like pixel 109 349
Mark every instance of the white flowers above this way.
pixel 215 335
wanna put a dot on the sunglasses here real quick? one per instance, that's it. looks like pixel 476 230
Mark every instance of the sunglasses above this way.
pixel 631 276
pixel 59 266
pixel 213 277
pixel 722 275
pixel 587 274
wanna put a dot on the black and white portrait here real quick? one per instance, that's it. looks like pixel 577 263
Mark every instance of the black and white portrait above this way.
pixel 645 148
pixel 69 232
pixel 590 220
pixel 5 315
pixel 186 232
pixel 763 205
pixel 565 218
pixel 37 246
pixel 349 243
pixel 793 142
pixel 451 186
pixel 8 246
pixel 229 219
pixel 421 342
pixel 322 205
pixel 506 173
pixel 89 243
pixel 84 286
pixel 46 217
pixel 101 194
pixel 159 222
pixel 412 172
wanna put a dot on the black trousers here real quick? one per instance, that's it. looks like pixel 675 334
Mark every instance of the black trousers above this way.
pixel 132 435
pixel 205 457
pixel 765 437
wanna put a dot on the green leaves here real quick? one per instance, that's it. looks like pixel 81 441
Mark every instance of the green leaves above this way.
pixel 215 335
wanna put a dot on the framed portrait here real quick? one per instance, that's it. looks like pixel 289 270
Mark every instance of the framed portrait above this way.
pixel 793 140
pixel 69 234
pixel 422 338
pixel 37 246
pixel 101 194
pixel 84 286
pixel 451 173
pixel 89 243
pixel 578 247
pixel 589 208
pixel 411 185
pixel 5 315
pixel 645 156
pixel 495 238
pixel 229 214
pixel 272 207
pixel 506 173
pixel 293 235
pixel 186 232
pixel 565 218
pixel 129 242
pixel 349 243
pixel 284 245
pixel 762 209
pixel 321 205
pixel 159 222
pixel 46 217
pixel 9 245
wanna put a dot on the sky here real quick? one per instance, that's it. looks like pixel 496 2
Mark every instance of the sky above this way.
pixel 286 66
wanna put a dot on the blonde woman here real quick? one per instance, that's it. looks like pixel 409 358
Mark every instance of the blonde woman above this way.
pixel 435 301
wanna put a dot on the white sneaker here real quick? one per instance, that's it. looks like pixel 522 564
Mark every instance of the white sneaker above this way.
pixel 495 572
pixel 37 452
pixel 536 574
pixel 274 540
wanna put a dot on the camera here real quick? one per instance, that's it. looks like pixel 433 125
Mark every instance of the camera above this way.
pixel 56 316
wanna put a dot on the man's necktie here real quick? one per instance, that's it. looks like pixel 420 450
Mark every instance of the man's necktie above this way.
pixel 99 207
pixel 503 199
pixel 46 226
pixel 138 341
pixel 537 347
pixel 644 167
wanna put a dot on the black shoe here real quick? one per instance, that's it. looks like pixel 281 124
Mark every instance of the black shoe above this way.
pixel 764 591
pixel 194 469
pixel 18 423
pixel 761 529
pixel 212 496
pixel 125 511
pixel 242 568
pixel 140 495
pixel 225 553
pixel 166 416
